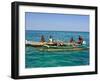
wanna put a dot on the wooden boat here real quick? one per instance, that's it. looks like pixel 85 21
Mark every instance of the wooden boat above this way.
pixel 63 48
pixel 44 46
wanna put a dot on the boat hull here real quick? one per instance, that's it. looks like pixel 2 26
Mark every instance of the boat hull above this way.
pixel 53 49
pixel 45 47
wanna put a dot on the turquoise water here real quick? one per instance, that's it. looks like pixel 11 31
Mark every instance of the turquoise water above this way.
pixel 35 58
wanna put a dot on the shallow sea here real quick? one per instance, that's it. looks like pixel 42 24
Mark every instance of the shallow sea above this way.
pixel 36 59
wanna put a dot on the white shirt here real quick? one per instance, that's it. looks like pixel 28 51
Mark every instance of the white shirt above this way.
pixel 50 40
pixel 84 42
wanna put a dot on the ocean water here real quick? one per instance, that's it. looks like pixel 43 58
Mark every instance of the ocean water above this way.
pixel 37 59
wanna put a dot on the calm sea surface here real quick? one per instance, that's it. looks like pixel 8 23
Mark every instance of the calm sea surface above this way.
pixel 35 58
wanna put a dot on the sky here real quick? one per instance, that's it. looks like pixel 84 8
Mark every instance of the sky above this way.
pixel 56 22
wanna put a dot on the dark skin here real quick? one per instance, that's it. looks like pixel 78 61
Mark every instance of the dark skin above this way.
pixel 42 39
pixel 71 40
pixel 80 40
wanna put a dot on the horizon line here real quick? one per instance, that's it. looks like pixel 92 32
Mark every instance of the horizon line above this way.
pixel 60 30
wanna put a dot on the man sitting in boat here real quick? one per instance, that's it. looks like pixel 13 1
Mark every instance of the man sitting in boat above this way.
pixel 72 42
pixel 80 40
pixel 42 39
pixel 54 43
pixel 50 41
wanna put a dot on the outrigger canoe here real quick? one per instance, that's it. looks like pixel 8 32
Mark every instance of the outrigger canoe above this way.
pixel 63 48
pixel 46 47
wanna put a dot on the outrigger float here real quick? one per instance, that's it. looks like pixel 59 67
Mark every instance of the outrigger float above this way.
pixel 45 46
